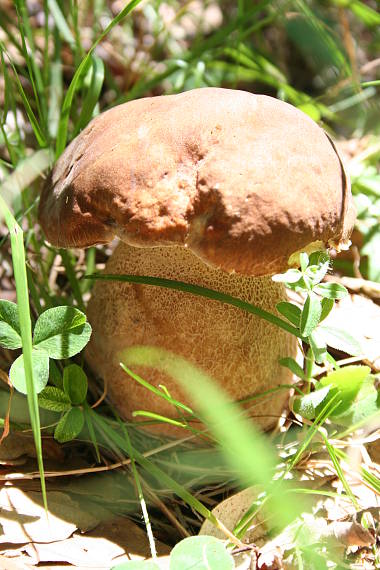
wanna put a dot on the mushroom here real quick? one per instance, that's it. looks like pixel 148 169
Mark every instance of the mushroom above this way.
pixel 215 187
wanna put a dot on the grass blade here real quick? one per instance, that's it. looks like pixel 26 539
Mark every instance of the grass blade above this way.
pixel 31 116
pixel 25 174
pixel 161 476
pixel 140 493
pixel 55 87
pixel 91 430
pixel 83 67
pixel 35 75
pixel 92 97
pixel 71 275
pixel 202 292
pixel 8 104
pixel 19 267
pixel 61 23
pixel 241 443
pixel 339 470
pixel 156 391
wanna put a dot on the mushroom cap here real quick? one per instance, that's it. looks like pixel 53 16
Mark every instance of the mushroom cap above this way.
pixel 243 180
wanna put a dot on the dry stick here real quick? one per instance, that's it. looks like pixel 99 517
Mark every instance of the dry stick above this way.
pixel 6 427
pixel 356 263
pixel 103 395
pixel 87 470
pixel 343 362
pixel 348 41
pixel 165 510
pixel 54 271
pixel 315 463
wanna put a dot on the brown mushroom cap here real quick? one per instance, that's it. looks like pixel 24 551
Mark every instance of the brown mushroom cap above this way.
pixel 242 180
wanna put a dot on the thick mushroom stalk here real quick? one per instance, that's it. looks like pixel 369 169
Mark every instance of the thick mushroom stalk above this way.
pixel 217 187
pixel 239 350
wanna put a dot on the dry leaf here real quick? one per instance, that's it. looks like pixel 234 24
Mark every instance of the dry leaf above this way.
pixel 130 537
pixel 360 317
pixel 374 450
pixel 7 564
pixel 271 559
pixel 18 445
pixel 109 541
pixel 349 534
pixel 15 446
pixel 246 560
pixel 231 511
pixel 79 550
pixel 112 541
pixel 100 548
pixel 24 520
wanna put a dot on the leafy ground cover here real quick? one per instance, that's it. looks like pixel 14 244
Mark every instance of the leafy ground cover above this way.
pixel 311 501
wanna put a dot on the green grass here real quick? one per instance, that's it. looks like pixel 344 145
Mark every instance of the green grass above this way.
pixel 203 292
pixel 295 50
pixel 18 258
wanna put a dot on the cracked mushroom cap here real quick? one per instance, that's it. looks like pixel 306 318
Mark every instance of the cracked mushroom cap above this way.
pixel 242 180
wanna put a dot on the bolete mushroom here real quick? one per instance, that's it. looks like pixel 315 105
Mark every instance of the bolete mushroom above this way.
pixel 214 187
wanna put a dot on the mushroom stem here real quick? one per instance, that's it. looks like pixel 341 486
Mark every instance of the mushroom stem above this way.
pixel 238 349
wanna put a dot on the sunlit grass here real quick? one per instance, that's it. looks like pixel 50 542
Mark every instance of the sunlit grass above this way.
pixel 19 268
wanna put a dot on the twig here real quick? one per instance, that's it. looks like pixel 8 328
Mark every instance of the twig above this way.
pixel 103 395
pixel 88 470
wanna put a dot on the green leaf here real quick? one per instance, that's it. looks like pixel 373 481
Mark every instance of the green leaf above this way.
pixel 10 333
pixel 318 346
pixel 40 364
pixel 331 290
pixel 347 381
pixel 318 271
pixel 339 339
pixel 52 398
pixel 319 258
pixel 70 425
pixel 306 406
pixel 55 375
pixel 293 366
pixel 62 332
pixel 290 311
pixel 365 406
pixel 291 276
pixel 311 314
pixel 201 553
pixel 327 306
pixel 304 260
pixel 75 384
